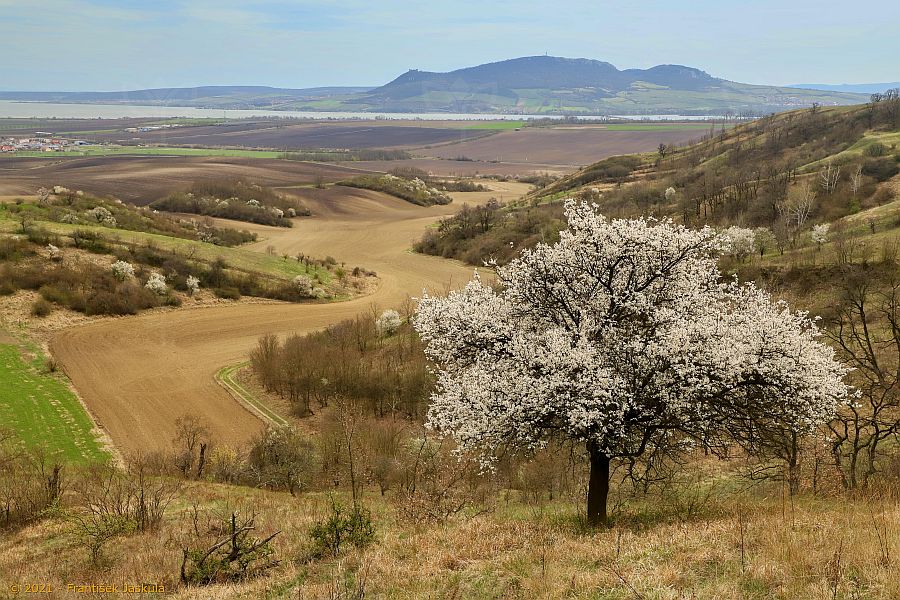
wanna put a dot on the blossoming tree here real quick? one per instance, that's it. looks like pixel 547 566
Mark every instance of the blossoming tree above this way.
pixel 622 337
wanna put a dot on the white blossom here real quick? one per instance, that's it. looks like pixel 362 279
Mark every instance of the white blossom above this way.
pixel 156 283
pixel 819 233
pixel 621 335
pixel 740 241
pixel 54 252
pixel 303 285
pixel 122 270
pixel 291 212
pixel 99 214
pixel 253 202
pixel 670 193
pixel 388 322
pixel 193 284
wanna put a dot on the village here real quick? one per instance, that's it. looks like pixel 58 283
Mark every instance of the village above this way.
pixel 39 143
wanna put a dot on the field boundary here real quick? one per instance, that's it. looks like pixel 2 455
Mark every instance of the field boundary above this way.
pixel 225 378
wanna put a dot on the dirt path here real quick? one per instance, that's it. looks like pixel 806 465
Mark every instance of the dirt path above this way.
pixel 138 374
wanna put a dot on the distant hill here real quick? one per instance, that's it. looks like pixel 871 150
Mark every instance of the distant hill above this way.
pixel 553 85
pixel 530 85
pixel 857 88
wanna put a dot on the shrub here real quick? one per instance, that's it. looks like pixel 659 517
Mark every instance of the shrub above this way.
pixel 875 150
pixel 193 284
pixel 156 283
pixel 234 556
pixel 41 308
pixel 122 270
pixel 881 169
pixel 388 322
pixel 227 293
pixel 342 526
pixel 282 459
pixel 303 285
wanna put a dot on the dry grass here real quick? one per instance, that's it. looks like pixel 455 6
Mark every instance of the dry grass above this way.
pixel 753 546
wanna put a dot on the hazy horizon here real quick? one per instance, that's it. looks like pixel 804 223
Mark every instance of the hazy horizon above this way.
pixel 124 45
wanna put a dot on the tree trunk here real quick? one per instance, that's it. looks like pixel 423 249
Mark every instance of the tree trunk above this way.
pixel 598 486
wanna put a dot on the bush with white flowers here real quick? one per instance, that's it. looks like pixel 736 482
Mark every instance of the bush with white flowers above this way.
pixel 819 233
pixel 99 214
pixel 623 337
pixel 740 241
pixel 303 285
pixel 54 252
pixel 156 283
pixel 388 322
pixel 122 270
pixel 670 194
pixel 193 284
pixel 252 202
pixel 291 213
pixel 277 212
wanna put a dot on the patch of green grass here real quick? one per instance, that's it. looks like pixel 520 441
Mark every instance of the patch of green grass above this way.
pixel 42 411
pixel 496 125
pixel 226 377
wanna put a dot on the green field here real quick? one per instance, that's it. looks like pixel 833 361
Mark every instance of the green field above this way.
pixel 42 411
pixel 496 125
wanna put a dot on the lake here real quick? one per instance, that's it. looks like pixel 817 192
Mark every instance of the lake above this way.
pixel 47 110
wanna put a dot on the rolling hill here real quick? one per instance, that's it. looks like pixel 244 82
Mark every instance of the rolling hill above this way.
pixel 528 85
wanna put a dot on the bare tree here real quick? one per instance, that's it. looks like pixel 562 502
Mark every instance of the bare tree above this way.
pixel 828 178
pixel 191 441
pixel 856 180
pixel 867 330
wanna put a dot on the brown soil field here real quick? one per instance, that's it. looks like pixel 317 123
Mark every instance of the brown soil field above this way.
pixel 28 127
pixel 138 374
pixel 570 146
pixel 465 168
pixel 142 179
pixel 282 136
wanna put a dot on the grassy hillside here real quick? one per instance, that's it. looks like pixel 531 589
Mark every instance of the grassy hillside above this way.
pixel 839 161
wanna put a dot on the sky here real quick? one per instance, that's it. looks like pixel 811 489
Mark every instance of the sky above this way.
pixel 98 45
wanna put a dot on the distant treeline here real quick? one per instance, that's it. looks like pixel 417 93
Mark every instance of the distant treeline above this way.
pixel 346 155
pixel 239 200
pixel 384 369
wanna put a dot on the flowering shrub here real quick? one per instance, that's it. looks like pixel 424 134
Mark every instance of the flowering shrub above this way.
pixel 740 241
pixel 670 194
pixel 820 233
pixel 623 337
pixel 304 286
pixel 156 283
pixel 102 215
pixel 122 270
pixel 54 253
pixel 388 322
pixel 193 284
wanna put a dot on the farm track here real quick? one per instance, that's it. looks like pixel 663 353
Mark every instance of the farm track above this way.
pixel 139 374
